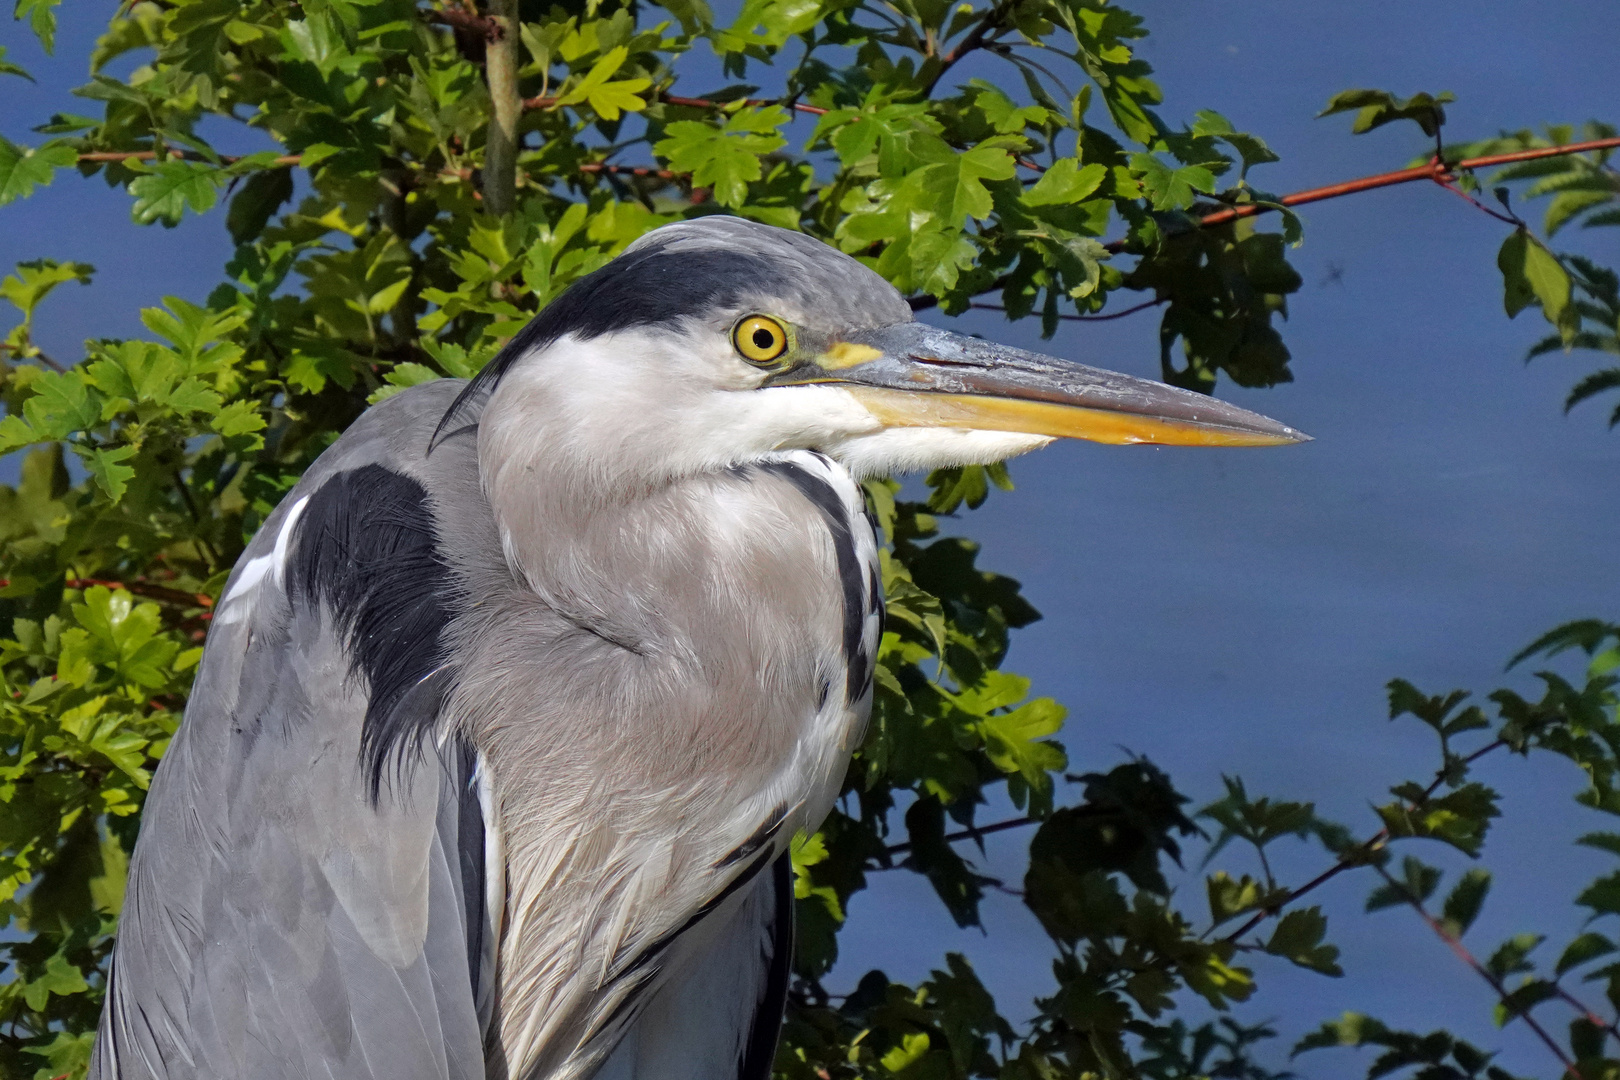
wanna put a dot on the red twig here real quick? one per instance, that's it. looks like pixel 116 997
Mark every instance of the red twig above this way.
pixel 138 588
pixel 189 155
pixel 1434 170
pixel 1454 943
pixel 1437 170
pixel 628 170
pixel 550 101
pixel 482 25
pixel 1447 183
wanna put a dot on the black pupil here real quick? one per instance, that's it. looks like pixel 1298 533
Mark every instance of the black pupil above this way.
pixel 763 339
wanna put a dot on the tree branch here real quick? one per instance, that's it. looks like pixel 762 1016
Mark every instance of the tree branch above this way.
pixel 501 143
pixel 1437 171
pixel 137 588
pixel 1356 856
pixel 489 29
pixel 1087 318
pixel 977 38
pixel 35 354
pixel 1454 943
pixel 1219 217
pixel 100 156
pixel 549 101
pixel 969 834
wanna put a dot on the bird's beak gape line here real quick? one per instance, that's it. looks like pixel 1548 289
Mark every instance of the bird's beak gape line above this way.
pixel 916 375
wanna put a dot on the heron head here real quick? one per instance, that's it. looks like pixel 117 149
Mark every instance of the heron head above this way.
pixel 715 341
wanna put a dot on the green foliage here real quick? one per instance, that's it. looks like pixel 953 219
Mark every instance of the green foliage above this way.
pixel 1580 298
pixel 364 263
pixel 1375 108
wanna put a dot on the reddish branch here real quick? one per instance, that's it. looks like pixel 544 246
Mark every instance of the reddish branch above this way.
pixel 469 23
pixel 148 590
pixel 628 170
pixel 550 102
pixel 1437 170
pixel 1454 943
pixel 1441 172
pixel 99 156
pixel 138 588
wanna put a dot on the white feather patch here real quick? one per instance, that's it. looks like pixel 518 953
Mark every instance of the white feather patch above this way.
pixel 237 604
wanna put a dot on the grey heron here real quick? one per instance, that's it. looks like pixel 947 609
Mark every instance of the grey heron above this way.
pixel 510 710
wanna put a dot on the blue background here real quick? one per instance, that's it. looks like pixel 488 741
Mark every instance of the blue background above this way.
pixel 1234 611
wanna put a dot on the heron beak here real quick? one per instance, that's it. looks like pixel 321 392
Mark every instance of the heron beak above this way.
pixel 915 375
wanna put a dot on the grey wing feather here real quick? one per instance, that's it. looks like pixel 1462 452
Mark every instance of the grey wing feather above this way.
pixel 306 896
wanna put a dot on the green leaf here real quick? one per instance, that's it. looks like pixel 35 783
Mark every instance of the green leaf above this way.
pixel 725 158
pixel 256 202
pixel 239 421
pixel 1602 896
pixel 1298 937
pixel 22 169
pixel 193 396
pixel 67 1054
pixel 60 977
pixel 8 68
pixel 1065 183
pixel 1531 273
pixel 1375 108
pixel 1460 818
pixel 1603 841
pixel 1567 205
pixel 1171 188
pixel 1006 116
pixel 1522 999
pixel 1011 741
pixel 41 16
pixel 105 465
pixel 1512 956
pixel 608 99
pixel 35 280
pixel 1351 1029
pixel 1416 884
pixel 1462 905
pixel 1586 947
pixel 765 24
pixel 62 404
pixel 1229 897
pixel 954 189
pixel 171 187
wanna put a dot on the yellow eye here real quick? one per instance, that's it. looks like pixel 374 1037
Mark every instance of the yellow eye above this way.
pixel 760 339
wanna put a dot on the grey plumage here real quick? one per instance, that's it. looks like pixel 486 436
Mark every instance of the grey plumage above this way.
pixel 509 713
